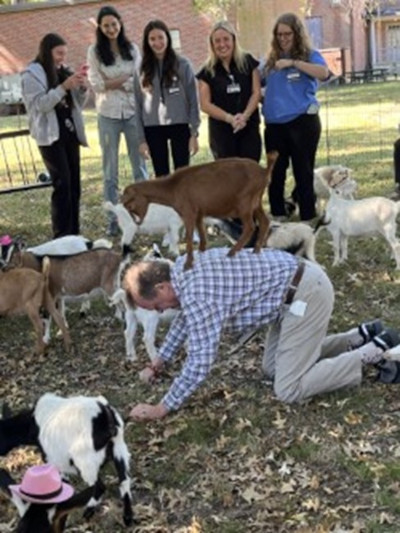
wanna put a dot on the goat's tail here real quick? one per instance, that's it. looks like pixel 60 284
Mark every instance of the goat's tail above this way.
pixel 320 223
pixel 271 160
pixel 46 270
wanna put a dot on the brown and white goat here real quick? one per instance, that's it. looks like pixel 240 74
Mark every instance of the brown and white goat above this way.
pixel 22 290
pixel 76 276
pixel 227 188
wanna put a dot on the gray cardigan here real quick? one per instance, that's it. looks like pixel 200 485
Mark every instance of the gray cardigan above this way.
pixel 177 104
pixel 40 102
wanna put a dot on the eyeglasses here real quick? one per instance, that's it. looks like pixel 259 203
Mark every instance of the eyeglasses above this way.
pixel 284 34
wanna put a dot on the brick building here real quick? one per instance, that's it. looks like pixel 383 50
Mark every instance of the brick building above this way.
pixel 337 26
pixel 22 27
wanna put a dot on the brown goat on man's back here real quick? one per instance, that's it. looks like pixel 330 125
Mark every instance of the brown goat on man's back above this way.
pixel 226 188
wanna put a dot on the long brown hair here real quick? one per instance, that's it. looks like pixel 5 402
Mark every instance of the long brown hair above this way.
pixel 45 57
pixel 149 61
pixel 301 41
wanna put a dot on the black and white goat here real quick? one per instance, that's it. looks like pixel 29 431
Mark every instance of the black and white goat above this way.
pixel 77 435
pixel 297 238
pixel 43 518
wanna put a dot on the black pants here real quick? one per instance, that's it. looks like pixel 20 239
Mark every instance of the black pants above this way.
pixel 297 141
pixel 396 160
pixel 63 164
pixel 224 143
pixel 157 138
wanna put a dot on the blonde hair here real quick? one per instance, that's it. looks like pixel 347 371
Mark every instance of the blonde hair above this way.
pixel 301 41
pixel 239 56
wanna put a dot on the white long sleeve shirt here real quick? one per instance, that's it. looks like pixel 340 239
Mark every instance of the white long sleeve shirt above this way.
pixel 113 103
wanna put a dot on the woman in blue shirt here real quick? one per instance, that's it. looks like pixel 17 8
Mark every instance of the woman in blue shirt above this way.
pixel 290 109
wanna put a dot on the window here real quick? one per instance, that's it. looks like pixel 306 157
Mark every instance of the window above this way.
pixel 176 40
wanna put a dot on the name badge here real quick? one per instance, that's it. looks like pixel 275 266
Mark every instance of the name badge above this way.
pixel 233 88
pixel 173 90
pixel 293 75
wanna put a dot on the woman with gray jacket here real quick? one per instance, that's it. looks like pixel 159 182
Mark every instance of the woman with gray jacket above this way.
pixel 167 103
pixel 52 96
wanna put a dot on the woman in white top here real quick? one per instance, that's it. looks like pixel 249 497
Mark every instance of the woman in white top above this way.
pixel 113 62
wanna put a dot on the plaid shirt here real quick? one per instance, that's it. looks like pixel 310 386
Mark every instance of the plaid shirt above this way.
pixel 221 292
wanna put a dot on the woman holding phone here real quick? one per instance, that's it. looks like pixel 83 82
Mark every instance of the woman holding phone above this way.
pixel 52 95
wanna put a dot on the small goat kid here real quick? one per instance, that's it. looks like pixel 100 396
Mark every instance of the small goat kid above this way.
pixel 77 435
pixel 159 219
pixel 43 518
pixel 81 275
pixel 149 320
pixel 226 188
pixel 333 177
pixel 296 238
pixel 351 218
pixel 23 290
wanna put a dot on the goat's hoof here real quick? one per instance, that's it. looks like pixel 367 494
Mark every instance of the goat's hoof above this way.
pixel 231 252
pixel 129 519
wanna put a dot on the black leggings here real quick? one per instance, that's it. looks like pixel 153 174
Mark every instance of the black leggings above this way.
pixel 63 164
pixel 157 138
pixel 297 141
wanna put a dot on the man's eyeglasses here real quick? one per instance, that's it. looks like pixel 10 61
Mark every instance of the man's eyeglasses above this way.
pixel 284 34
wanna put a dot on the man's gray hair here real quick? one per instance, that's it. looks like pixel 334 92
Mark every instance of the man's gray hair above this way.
pixel 149 274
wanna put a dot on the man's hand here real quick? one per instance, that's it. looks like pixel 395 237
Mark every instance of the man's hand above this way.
pixel 143 412
pixel 150 372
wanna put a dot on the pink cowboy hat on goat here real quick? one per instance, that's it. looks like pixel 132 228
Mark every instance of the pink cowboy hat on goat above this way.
pixel 42 484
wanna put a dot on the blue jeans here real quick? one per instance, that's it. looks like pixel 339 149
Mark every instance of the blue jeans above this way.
pixel 110 130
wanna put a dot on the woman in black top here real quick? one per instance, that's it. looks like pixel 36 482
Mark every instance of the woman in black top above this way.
pixel 229 86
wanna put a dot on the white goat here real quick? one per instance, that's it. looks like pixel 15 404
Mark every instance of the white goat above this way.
pixel 296 238
pixel 68 245
pixel 331 177
pixel 77 435
pixel 352 218
pixel 149 320
pixel 159 219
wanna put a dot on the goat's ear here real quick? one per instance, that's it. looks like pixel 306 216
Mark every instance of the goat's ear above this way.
pixel 6 411
pixel 156 251
pixel 20 243
pixel 5 481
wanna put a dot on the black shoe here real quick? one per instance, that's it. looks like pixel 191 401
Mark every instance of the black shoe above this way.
pixel 368 330
pixel 387 339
